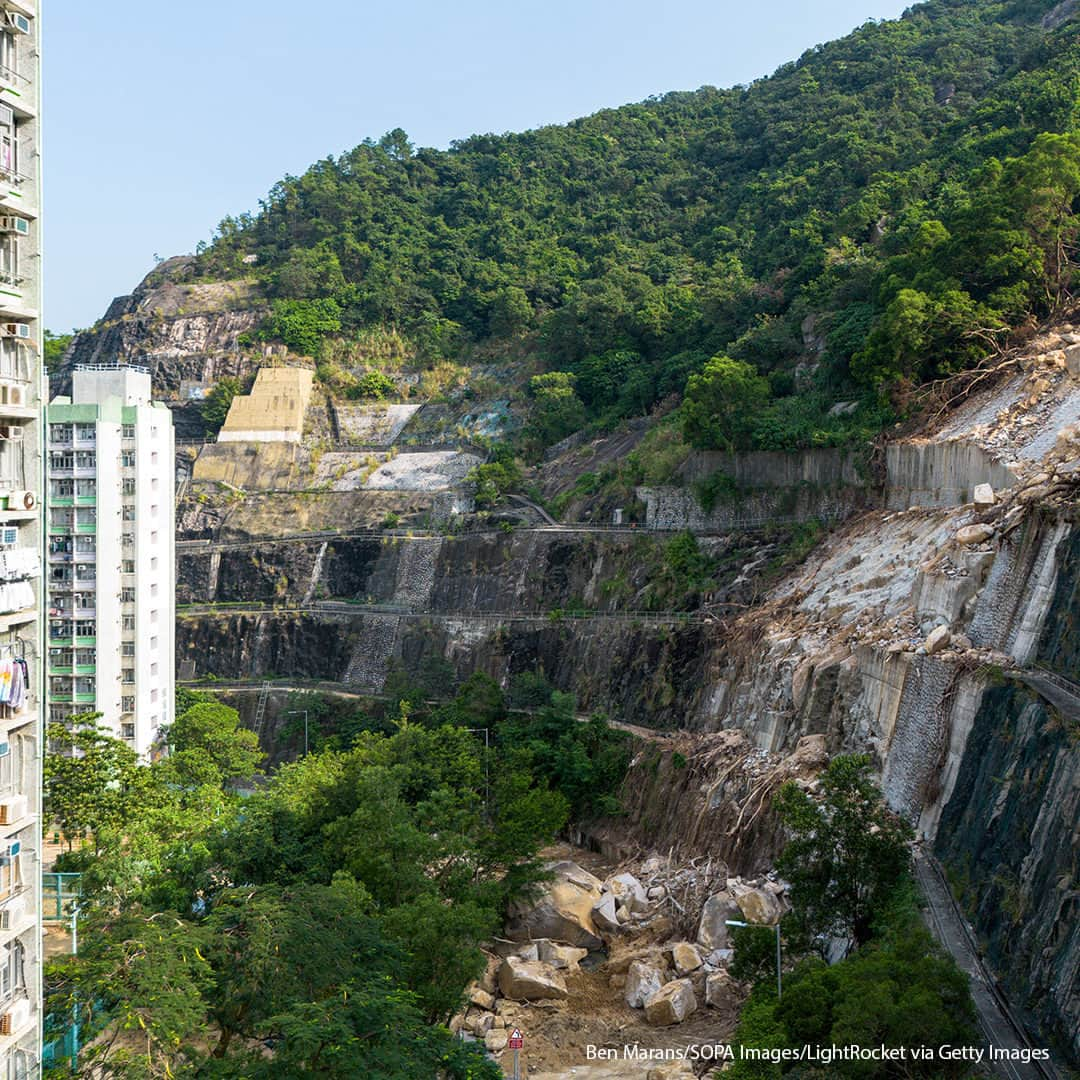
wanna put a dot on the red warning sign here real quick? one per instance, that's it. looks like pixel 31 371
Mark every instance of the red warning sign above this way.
pixel 516 1040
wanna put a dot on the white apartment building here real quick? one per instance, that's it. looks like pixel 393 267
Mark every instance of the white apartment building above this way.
pixel 111 555
pixel 21 644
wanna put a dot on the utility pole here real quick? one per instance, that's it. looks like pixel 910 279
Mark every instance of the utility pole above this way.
pixel 779 976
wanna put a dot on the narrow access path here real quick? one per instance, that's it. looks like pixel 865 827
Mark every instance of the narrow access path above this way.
pixel 1000 1029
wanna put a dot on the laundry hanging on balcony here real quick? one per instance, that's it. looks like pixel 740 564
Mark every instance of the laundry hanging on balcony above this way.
pixel 16 596
pixel 14 679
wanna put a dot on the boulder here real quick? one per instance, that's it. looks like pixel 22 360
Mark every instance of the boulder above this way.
pixel 561 957
pixel 481 998
pixel 642 981
pixel 525 980
pixel 629 892
pixel 1072 360
pixel 604 914
pixel 622 915
pixel 657 892
pixel 718 989
pixel 528 952
pixel 671 1070
pixel 562 912
pixel 938 640
pixel 712 931
pixel 495 1040
pixel 671 1004
pixel 984 495
pixel 970 535
pixel 685 957
pixel 759 905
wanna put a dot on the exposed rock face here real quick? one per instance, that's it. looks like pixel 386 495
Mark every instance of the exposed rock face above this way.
pixel 671 1004
pixel 180 331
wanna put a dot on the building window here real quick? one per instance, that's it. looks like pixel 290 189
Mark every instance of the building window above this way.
pixel 154 485
pixel 129 513
pixel 85 601
pixel 127 459
pixel 60 433
pixel 154 537
pixel 86 432
pixel 127 648
pixel 153 458
pixel 7 766
pixel 127 595
pixel 59 714
pixel 153 563
pixel 153 673
pixel 153 616
pixel 127 566
pixel 85 628
pixel 85 657
pixel 58 462
pixel 128 676
pixel 10 882
pixel 86 515
pixel 127 703
pixel 84 685
pixel 153 693
pixel 128 431
pixel 153 643
pixel 127 731
pixel 86 459
pixel 153 588
pixel 12 968
pixel 127 539
pixel 129 485
pixel 128 622
pixel 61 489
pixel 85 489
pixel 154 510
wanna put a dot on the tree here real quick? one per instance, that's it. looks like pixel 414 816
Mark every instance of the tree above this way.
pixel 899 992
pixel 557 411
pixel 56 345
pixel 720 403
pixel 215 406
pixel 87 776
pixel 847 852
pixel 207 745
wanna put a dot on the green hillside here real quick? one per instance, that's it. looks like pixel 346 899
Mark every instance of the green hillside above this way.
pixel 910 188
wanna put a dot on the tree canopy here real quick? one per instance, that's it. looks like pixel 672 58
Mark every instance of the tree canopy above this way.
pixel 878 212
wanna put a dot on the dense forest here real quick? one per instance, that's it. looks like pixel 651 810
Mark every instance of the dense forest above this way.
pixel 880 212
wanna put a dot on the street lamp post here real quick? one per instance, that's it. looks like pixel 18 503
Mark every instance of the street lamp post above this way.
pixel 298 712
pixel 75 1001
pixel 779 978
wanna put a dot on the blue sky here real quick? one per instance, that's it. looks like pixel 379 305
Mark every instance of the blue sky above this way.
pixel 162 118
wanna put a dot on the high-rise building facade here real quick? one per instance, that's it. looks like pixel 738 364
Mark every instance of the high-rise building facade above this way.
pixel 111 554
pixel 21 599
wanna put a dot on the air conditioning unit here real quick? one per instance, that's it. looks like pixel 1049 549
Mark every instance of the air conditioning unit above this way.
pixel 11 810
pixel 19 23
pixel 12 433
pixel 15 1017
pixel 9 537
pixel 11 395
pixel 18 330
pixel 7 116
pixel 21 500
pixel 9 223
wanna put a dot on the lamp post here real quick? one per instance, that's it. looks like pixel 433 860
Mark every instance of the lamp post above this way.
pixel 779 979
pixel 75 1001
pixel 298 712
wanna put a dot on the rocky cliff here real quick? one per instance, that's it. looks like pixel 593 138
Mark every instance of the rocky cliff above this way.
pixel 928 632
